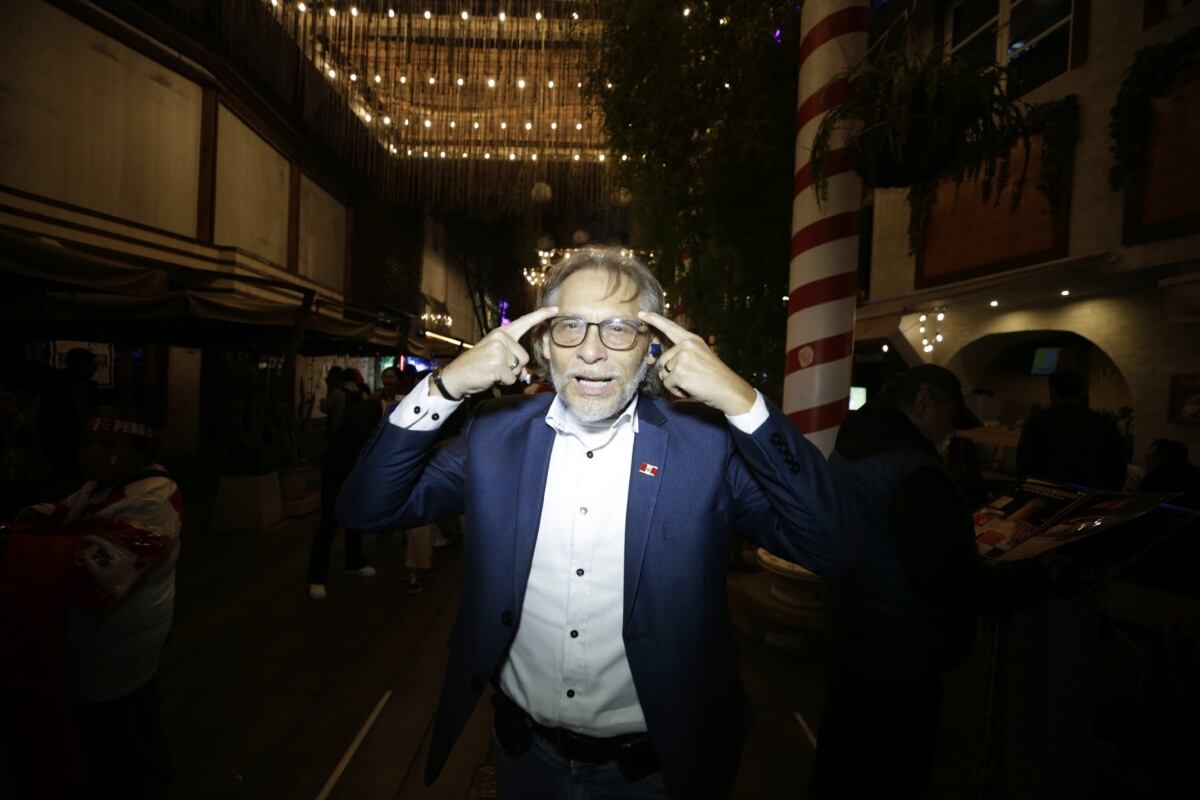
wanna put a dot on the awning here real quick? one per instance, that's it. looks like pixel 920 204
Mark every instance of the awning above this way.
pixel 47 260
pixel 199 309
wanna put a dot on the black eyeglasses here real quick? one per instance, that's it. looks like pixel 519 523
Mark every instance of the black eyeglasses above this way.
pixel 615 334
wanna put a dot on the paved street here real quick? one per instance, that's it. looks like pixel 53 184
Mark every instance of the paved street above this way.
pixel 270 694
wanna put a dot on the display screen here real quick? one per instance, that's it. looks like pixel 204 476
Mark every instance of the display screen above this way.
pixel 1045 360
pixel 858 397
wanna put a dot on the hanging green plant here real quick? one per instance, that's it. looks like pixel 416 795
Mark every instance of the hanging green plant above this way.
pixel 1057 122
pixel 1155 72
pixel 913 116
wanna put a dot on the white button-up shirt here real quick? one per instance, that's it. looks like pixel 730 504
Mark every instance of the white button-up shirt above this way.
pixel 567 666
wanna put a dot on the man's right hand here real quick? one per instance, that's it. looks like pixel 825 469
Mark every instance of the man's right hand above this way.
pixel 497 358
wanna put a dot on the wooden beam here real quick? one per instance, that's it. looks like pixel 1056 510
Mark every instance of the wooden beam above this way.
pixel 206 196
pixel 293 234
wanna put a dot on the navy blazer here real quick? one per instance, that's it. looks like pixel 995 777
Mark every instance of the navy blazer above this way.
pixel 772 487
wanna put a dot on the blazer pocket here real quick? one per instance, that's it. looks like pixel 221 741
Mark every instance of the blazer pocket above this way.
pixel 718 521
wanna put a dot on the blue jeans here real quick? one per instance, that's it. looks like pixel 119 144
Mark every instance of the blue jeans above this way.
pixel 541 773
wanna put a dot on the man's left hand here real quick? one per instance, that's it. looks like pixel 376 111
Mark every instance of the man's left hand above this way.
pixel 691 369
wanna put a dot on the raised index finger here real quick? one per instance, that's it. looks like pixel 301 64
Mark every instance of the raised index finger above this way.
pixel 676 333
pixel 523 325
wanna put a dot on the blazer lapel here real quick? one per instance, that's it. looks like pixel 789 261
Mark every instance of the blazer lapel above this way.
pixel 649 447
pixel 531 491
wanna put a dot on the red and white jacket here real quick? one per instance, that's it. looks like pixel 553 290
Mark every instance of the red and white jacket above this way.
pixel 123 590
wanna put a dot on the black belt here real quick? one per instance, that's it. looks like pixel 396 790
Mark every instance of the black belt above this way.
pixel 633 752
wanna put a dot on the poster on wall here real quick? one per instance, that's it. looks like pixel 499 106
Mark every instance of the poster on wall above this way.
pixel 1185 400
pixel 102 351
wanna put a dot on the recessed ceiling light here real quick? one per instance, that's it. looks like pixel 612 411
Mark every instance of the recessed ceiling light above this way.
pixel 994 303
pixel 1065 292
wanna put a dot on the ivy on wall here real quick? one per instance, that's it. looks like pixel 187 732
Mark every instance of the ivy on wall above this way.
pixel 1156 71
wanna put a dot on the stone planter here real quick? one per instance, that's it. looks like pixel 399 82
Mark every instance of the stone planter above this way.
pixel 248 496
pixel 293 482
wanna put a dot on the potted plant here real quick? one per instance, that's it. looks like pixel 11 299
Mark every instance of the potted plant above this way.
pixel 913 118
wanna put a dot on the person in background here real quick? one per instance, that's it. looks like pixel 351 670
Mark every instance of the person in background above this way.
pixel 906 613
pixel 358 419
pixel 1070 442
pixel 333 404
pixel 1168 468
pixel 118 535
pixel 389 386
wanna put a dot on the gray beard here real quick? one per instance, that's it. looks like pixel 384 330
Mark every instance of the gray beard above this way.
pixel 589 411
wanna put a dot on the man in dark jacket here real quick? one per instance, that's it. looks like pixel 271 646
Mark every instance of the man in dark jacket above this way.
pixel 1070 442
pixel 907 613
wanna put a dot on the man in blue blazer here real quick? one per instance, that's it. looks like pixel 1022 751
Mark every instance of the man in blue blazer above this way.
pixel 598 531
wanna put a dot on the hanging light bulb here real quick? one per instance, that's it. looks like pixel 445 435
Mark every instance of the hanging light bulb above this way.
pixel 937 338
pixel 333 12
pixel 428 15
pixel 922 318
pixel 885 348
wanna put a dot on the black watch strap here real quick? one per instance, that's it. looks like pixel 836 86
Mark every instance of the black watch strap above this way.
pixel 441 387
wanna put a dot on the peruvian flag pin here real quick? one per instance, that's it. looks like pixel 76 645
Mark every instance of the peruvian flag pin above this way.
pixel 648 469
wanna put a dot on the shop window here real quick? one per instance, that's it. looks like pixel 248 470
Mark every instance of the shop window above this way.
pixel 1033 37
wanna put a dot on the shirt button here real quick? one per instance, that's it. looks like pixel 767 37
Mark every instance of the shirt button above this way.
pixel 570 692
pixel 583 510
pixel 590 454
pixel 574 634
pixel 416 409
pixel 506 618
pixel 579 572
pixel 436 417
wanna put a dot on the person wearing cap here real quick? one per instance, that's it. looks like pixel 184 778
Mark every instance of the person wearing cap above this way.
pixel 116 540
pixel 906 613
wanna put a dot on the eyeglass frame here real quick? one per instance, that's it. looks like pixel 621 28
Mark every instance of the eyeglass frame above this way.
pixel 642 327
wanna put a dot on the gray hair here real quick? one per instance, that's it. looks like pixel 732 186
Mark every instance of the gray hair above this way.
pixel 619 264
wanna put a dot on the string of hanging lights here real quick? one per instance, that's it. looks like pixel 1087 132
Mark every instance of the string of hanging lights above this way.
pixel 469 108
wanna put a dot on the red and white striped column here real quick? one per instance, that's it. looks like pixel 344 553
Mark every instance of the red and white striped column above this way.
pixel 823 278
